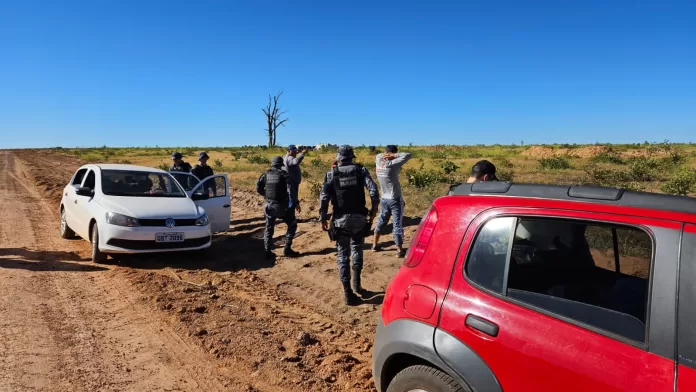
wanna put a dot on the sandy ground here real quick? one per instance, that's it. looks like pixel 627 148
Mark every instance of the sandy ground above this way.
pixel 224 319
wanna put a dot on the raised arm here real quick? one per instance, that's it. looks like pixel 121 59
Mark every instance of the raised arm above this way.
pixel 296 160
pixel 400 160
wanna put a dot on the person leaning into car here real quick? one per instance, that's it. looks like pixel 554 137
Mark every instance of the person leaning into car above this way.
pixel 482 171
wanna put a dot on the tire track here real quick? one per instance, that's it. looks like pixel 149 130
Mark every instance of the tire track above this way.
pixel 72 326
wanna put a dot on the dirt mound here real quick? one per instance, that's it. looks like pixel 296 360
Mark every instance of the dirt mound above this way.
pixel 548 152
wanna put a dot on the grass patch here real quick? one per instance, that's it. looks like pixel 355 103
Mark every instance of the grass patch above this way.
pixel 555 163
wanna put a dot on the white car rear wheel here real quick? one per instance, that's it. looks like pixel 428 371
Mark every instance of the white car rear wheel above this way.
pixel 97 255
pixel 65 230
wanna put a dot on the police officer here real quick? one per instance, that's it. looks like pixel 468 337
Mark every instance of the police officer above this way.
pixel 202 170
pixel 275 186
pixel 179 165
pixel 344 187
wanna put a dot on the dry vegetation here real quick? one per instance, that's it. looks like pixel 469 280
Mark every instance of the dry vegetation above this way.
pixel 654 167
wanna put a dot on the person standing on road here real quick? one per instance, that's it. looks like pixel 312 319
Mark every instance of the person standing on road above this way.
pixel 291 165
pixel 202 170
pixel 275 186
pixel 344 188
pixel 392 203
pixel 482 171
pixel 178 164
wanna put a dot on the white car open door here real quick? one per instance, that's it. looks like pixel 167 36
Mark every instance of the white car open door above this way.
pixel 218 205
pixel 187 181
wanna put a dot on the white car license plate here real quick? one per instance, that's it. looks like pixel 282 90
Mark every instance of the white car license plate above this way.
pixel 169 237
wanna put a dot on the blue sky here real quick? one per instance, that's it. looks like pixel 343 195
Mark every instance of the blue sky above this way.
pixel 175 73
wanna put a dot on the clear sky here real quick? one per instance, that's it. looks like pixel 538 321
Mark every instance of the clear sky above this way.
pixel 181 73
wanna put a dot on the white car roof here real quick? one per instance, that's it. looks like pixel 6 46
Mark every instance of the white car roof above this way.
pixel 109 166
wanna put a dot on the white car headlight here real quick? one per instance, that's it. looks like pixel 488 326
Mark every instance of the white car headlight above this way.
pixel 121 220
pixel 202 221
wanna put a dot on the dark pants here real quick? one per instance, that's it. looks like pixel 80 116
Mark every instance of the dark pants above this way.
pixel 349 246
pixel 273 212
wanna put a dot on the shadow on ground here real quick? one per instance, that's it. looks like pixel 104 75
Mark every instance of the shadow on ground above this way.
pixel 22 258
pixel 229 252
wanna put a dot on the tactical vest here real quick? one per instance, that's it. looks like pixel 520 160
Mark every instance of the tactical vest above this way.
pixel 349 190
pixel 276 186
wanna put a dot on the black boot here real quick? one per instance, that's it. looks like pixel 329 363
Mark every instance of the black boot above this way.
pixel 350 298
pixel 355 282
pixel 288 252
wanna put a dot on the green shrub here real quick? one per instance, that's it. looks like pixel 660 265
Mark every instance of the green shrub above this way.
pixel 596 175
pixel 449 167
pixel 681 183
pixel 643 169
pixel 505 173
pixel 608 157
pixel 315 189
pixel 259 160
pixel 316 162
pixel 555 163
pixel 236 155
pixel 504 163
pixel 422 178
pixel 163 166
pixel 218 164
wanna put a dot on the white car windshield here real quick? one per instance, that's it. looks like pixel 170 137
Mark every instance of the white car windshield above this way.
pixel 140 184
pixel 186 180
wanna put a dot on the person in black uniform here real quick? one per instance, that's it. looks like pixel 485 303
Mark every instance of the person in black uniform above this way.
pixel 202 170
pixel 275 186
pixel 178 164
pixel 344 187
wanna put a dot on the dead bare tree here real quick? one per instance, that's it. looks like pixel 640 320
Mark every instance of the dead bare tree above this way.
pixel 274 118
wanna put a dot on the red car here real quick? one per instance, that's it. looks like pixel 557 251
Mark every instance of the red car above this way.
pixel 516 287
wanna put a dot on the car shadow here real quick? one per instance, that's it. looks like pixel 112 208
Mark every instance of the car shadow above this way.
pixel 229 252
pixel 30 260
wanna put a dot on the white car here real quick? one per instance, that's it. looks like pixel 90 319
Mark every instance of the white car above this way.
pixel 134 209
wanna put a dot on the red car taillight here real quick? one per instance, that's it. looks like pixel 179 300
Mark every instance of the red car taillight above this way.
pixel 420 243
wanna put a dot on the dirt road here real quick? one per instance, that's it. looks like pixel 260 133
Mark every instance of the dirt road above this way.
pixel 220 320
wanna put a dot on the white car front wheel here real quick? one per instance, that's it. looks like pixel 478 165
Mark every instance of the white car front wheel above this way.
pixel 97 255
pixel 65 230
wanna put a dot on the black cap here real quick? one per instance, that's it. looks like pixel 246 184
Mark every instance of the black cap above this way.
pixel 277 161
pixel 202 155
pixel 177 155
pixel 345 152
pixel 482 168
pixel 292 147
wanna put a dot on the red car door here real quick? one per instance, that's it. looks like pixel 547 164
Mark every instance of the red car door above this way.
pixel 542 299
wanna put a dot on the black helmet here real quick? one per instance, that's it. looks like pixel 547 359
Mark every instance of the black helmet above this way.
pixel 277 162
